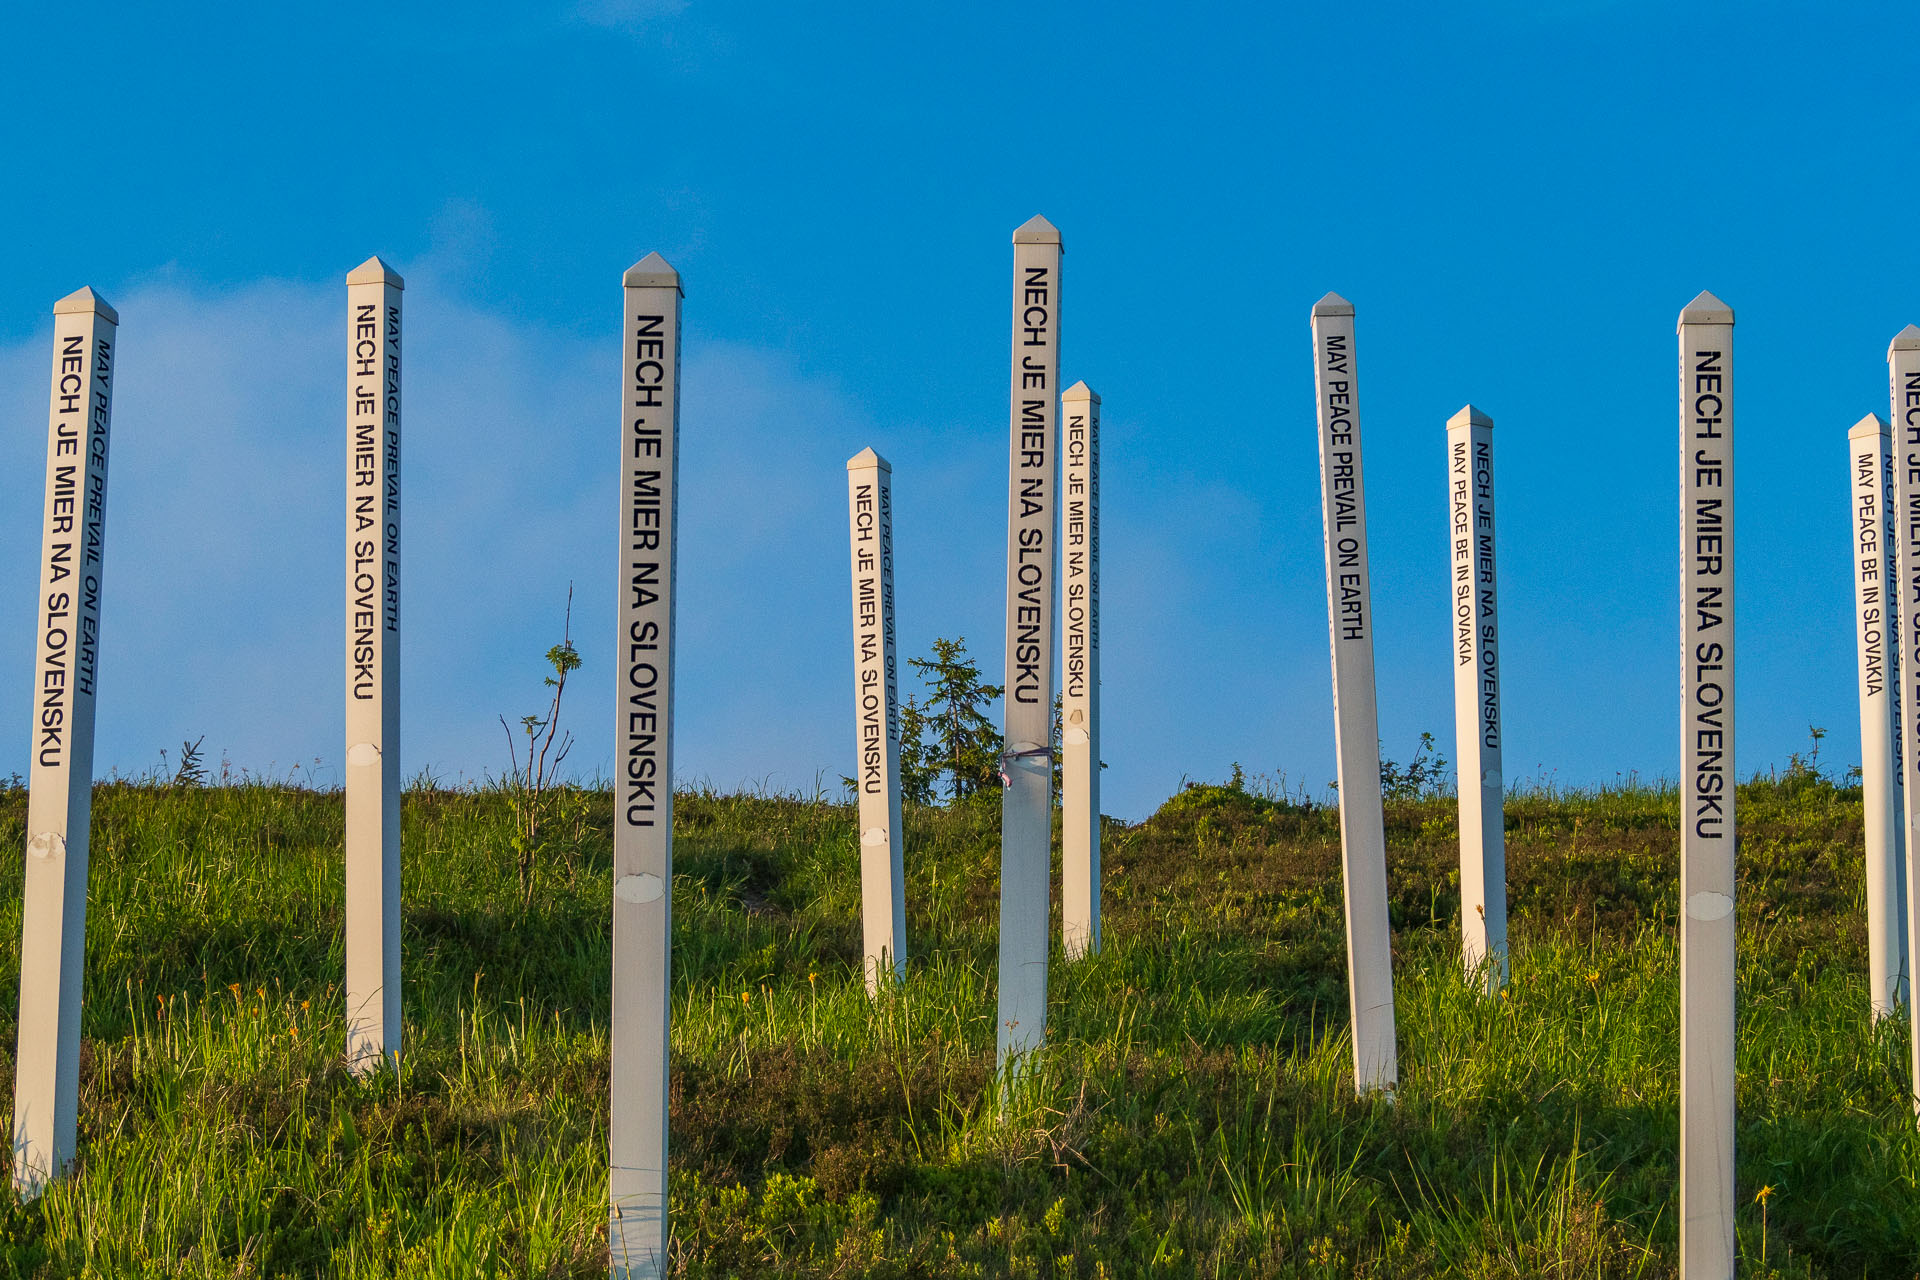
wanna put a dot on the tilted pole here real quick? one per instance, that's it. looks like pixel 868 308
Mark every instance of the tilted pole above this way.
pixel 1356 722
pixel 66 672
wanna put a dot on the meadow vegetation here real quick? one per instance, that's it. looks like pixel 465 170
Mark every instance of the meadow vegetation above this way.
pixel 1192 1115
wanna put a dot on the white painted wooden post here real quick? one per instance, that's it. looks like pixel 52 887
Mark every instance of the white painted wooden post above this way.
pixel 1476 698
pixel 1707 791
pixel 1903 391
pixel 1876 631
pixel 1356 730
pixel 53 944
pixel 876 712
pixel 1080 674
pixel 1026 803
pixel 638 1229
pixel 373 665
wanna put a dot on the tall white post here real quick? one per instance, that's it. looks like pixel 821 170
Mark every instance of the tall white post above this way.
pixel 373 665
pixel 643 777
pixel 1080 675
pixel 1026 803
pixel 1356 723
pixel 1707 791
pixel 1877 629
pixel 66 671
pixel 1903 383
pixel 876 714
pixel 1476 699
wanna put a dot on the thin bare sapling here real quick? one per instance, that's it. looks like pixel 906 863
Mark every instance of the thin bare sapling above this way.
pixel 530 785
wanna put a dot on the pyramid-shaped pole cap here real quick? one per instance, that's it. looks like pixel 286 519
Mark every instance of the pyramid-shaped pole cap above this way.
pixel 376 271
pixel 1908 339
pixel 868 458
pixel 1706 309
pixel 83 302
pixel 1333 305
pixel 1469 417
pixel 1080 391
pixel 1037 230
pixel 651 272
pixel 1871 425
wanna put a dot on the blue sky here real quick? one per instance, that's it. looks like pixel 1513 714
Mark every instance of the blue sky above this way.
pixel 1518 198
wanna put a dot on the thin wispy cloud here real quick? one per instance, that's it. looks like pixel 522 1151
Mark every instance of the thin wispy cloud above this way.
pixel 633 16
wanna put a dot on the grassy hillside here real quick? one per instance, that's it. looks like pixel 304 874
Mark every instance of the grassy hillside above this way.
pixel 1193 1115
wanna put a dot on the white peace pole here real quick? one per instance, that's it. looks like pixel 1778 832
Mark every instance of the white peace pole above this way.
pixel 1707 791
pixel 1903 380
pixel 1080 674
pixel 643 777
pixel 1356 731
pixel 373 665
pixel 1876 629
pixel 1026 803
pixel 53 944
pixel 1476 698
pixel 876 714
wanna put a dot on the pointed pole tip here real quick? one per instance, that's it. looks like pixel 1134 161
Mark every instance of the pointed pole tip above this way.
pixel 376 271
pixel 84 301
pixel 651 272
pixel 867 458
pixel 1469 417
pixel 1706 309
pixel 1333 305
pixel 1908 339
pixel 1080 391
pixel 1871 425
pixel 1037 230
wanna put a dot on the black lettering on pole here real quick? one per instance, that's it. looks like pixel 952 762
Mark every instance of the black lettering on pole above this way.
pixel 1711 576
pixel 1343 486
pixel 646 560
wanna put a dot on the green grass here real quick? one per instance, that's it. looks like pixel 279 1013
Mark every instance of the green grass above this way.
pixel 1193 1114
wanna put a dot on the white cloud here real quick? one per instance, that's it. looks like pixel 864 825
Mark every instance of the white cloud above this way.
pixel 223 602
pixel 223 611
